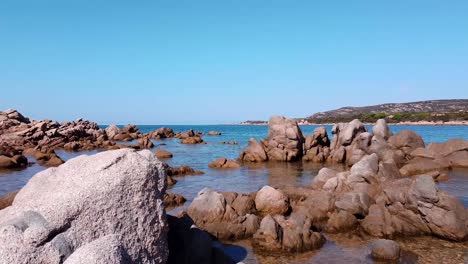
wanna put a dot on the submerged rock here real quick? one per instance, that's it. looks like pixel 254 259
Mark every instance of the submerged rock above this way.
pixel 383 249
pixel 81 206
pixel 223 163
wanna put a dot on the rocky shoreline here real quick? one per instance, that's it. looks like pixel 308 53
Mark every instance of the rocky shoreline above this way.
pixel 114 201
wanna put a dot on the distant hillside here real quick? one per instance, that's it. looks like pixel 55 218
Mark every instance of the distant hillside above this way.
pixel 434 110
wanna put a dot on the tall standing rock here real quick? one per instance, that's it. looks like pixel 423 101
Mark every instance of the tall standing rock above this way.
pixel 285 140
pixel 112 200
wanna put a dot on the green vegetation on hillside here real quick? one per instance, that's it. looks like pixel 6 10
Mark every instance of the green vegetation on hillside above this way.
pixel 398 117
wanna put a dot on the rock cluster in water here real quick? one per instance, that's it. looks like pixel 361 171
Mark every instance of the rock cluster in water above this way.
pixel 21 137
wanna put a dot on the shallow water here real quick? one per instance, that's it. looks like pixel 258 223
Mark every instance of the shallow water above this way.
pixel 252 177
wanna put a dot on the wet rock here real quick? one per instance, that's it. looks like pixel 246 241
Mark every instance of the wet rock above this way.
pixel 285 140
pixel 7 199
pixel 145 142
pixel 271 201
pixel 173 200
pixel 161 133
pixel 181 171
pixel 223 163
pixel 162 154
pixel 48 159
pixel 213 133
pixel 17 161
pixel 253 153
pixel 88 198
pixel 192 140
pixel 383 249
pixel 184 135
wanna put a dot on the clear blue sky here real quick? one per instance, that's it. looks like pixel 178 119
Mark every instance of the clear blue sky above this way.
pixel 206 62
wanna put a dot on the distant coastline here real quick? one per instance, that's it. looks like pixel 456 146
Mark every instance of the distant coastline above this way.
pixel 406 123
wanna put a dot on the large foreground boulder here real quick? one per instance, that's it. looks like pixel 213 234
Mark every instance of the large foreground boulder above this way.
pixel 110 202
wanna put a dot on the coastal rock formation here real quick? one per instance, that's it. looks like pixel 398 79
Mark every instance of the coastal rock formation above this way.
pixel 181 170
pixel 223 163
pixel 436 157
pixel 20 133
pixel 192 140
pixel 416 207
pixel 284 141
pixel 86 208
pixel 162 154
pixel 145 142
pixel 317 146
pixel 253 153
pixel 291 234
pixel 161 133
pixel 223 217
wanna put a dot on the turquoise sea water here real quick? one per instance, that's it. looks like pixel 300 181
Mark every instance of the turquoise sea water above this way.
pixel 249 178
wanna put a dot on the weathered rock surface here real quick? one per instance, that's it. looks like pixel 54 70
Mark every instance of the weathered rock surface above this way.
pixel 383 249
pixel 173 200
pixel 181 170
pixel 223 163
pixel 192 140
pixel 317 146
pixel 284 141
pixel 161 133
pixel 81 206
pixel 416 207
pixel 271 201
pixel 162 154
pixel 381 129
pixel 216 213
pixel 436 157
pixel 253 153
pixel 145 142
pixel 291 234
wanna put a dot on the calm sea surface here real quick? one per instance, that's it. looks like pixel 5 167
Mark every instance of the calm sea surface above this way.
pixel 252 177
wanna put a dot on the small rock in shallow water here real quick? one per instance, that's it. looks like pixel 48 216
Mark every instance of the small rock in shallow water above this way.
pixel 384 249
